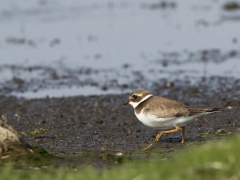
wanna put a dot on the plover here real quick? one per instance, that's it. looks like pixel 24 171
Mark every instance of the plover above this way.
pixel 164 114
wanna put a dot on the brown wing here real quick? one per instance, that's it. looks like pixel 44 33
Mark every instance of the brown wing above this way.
pixel 167 108
pixel 162 107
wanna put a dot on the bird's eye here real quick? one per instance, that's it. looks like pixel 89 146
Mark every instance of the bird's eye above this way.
pixel 134 96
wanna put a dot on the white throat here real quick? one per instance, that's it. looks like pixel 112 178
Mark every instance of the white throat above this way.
pixel 135 104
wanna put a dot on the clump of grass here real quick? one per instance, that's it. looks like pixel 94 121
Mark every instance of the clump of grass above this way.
pixel 213 160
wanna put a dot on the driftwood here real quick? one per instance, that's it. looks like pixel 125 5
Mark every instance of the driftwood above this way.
pixel 11 143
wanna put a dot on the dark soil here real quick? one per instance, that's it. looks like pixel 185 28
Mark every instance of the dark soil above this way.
pixel 100 131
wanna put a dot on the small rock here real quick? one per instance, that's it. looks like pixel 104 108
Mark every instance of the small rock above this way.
pixel 119 154
pixel 11 143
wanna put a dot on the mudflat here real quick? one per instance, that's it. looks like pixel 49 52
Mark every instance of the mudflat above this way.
pixel 99 130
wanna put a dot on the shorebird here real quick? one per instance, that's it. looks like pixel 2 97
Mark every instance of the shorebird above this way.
pixel 164 114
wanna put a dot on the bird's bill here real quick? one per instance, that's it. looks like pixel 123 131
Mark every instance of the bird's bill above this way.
pixel 126 103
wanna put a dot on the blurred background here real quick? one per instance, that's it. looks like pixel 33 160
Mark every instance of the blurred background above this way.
pixel 64 48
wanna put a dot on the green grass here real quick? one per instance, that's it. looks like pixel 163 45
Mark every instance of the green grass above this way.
pixel 213 160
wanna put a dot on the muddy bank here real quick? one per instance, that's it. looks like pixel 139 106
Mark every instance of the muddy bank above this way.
pixel 99 130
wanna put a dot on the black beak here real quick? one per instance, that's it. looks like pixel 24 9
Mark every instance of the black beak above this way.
pixel 126 103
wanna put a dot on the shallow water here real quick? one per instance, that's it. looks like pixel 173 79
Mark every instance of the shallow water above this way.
pixel 71 48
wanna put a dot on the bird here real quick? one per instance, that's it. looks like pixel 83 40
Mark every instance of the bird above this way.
pixel 164 114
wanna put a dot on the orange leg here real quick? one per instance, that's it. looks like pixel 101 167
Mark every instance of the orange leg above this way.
pixel 167 132
pixel 183 134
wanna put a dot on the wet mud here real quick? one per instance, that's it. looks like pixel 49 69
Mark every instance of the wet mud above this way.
pixel 100 131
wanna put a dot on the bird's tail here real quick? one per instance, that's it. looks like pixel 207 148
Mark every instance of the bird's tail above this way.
pixel 213 110
pixel 199 111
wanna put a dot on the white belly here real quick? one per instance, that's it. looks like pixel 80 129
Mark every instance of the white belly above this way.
pixel 164 123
